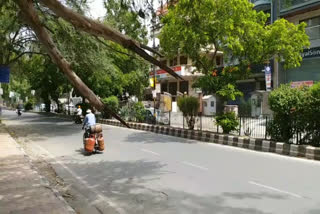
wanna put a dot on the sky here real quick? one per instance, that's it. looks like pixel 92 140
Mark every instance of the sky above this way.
pixel 97 8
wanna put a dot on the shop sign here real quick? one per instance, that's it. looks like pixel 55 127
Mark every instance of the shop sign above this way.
pixel 160 74
pixel 311 53
pixel 300 84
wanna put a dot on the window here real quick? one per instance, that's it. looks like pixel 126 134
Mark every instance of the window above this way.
pixel 173 88
pixel 212 103
pixel 184 87
pixel 163 61
pixel 164 87
pixel 183 60
pixel 173 62
pixel 313 27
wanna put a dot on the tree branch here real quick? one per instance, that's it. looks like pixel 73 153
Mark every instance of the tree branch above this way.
pixel 95 28
pixel 108 46
pixel 23 53
pixel 150 49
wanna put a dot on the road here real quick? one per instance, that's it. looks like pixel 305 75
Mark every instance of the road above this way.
pixel 142 172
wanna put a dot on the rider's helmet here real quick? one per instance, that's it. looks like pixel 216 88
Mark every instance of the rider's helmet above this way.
pixel 88 111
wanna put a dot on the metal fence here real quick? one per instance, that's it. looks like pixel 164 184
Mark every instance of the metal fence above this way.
pixel 248 126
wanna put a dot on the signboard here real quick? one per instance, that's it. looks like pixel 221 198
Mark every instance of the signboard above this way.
pixel 310 53
pixel 300 84
pixel 166 99
pixel 4 74
pixel 163 74
pixel 268 77
pixel 158 88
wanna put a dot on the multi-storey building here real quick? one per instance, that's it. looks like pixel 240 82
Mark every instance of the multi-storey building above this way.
pixel 297 11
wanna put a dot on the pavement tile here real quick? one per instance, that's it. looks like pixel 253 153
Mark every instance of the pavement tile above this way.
pixel 22 189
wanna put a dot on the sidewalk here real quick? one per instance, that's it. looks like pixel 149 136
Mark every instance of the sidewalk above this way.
pixel 22 189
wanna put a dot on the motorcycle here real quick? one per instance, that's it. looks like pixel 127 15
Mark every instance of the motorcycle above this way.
pixel 78 119
pixel 19 112
pixel 93 141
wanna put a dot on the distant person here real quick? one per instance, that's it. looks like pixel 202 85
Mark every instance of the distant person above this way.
pixel 79 111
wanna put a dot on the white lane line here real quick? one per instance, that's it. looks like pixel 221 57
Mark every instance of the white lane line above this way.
pixel 275 189
pixel 100 197
pixel 151 152
pixel 194 165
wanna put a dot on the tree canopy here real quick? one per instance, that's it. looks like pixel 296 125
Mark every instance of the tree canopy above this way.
pixel 201 29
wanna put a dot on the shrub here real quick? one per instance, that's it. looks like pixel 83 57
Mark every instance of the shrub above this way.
pixel 189 107
pixel 28 106
pixel 139 112
pixel 113 103
pixel 228 121
pixel 289 106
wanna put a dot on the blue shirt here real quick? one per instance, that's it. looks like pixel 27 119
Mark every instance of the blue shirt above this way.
pixel 89 120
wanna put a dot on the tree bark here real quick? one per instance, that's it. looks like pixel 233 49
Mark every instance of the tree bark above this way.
pixel 98 29
pixel 31 17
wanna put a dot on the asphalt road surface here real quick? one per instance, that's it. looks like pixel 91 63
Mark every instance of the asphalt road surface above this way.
pixel 142 172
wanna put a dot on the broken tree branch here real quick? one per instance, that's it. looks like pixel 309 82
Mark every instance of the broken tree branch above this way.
pixel 31 17
pixel 100 30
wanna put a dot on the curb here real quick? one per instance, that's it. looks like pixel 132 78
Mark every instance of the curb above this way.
pixel 299 151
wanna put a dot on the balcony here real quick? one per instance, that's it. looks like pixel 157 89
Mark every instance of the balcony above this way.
pixel 287 6
pixel 261 4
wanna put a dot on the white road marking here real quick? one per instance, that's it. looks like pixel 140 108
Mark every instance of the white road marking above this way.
pixel 194 165
pixel 98 194
pixel 151 152
pixel 275 189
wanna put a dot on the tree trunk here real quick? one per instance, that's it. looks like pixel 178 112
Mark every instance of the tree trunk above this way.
pixel 31 17
pixel 98 29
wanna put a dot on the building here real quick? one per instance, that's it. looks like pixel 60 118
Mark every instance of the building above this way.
pixel 297 11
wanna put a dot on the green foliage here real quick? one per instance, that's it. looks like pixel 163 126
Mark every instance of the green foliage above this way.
pixel 113 103
pixel 139 112
pixel 199 29
pixel 294 112
pixel 189 107
pixel 28 106
pixel 228 121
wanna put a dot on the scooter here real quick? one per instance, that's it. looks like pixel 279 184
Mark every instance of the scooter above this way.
pixel 19 112
pixel 78 119
pixel 93 141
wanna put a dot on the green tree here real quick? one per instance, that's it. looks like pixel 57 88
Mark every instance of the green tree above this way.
pixel 200 29
pixel 189 107
pixel 113 103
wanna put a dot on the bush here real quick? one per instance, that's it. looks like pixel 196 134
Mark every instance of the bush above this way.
pixel 189 107
pixel 228 121
pixel 139 112
pixel 290 106
pixel 113 103
pixel 28 106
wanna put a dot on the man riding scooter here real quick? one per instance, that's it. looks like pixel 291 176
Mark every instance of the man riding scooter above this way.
pixel 89 120
pixel 79 117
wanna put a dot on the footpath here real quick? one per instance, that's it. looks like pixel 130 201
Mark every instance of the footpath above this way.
pixel 22 188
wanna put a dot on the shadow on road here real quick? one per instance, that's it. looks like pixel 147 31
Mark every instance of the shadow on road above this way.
pixel 133 186
pixel 147 137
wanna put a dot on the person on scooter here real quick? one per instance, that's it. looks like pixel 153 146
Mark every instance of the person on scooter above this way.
pixel 89 120
pixel 78 117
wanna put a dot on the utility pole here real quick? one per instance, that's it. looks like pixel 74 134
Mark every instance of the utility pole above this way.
pixel 153 21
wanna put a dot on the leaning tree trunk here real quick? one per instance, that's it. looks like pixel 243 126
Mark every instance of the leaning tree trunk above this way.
pixel 31 17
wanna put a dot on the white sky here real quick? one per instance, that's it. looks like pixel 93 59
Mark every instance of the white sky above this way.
pixel 97 8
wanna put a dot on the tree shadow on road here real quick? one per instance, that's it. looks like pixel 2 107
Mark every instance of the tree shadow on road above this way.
pixel 150 137
pixel 135 186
